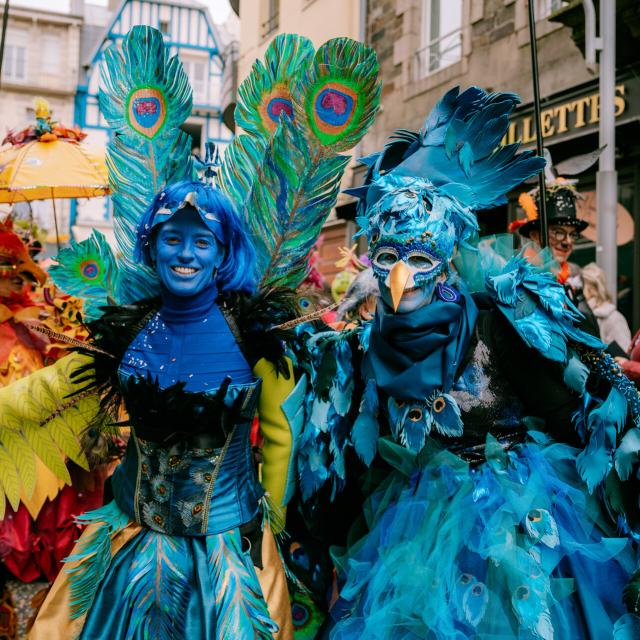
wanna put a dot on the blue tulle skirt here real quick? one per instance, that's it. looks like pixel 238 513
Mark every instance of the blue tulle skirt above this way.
pixel 515 548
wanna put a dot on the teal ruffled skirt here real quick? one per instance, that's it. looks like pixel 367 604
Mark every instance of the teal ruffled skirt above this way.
pixel 516 548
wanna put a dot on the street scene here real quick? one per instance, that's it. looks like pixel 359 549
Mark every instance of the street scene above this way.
pixel 319 319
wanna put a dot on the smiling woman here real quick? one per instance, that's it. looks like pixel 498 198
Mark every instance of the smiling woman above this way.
pixel 187 255
pixel 186 495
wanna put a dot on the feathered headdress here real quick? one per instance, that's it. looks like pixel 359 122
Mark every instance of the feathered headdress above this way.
pixel 433 181
pixel 299 110
pixel 561 200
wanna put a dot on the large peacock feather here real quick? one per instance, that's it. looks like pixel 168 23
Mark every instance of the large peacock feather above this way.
pixel 337 96
pixel 285 185
pixel 145 97
pixel 298 194
pixel 39 417
pixel 241 611
pixel 266 93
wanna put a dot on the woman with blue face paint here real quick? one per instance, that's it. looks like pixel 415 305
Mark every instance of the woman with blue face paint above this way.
pixel 182 551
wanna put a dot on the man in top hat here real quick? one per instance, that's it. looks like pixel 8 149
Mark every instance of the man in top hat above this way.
pixel 563 230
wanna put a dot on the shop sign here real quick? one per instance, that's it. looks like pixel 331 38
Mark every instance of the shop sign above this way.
pixel 569 118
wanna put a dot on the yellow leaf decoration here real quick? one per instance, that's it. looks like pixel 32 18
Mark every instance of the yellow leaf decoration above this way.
pixel 41 416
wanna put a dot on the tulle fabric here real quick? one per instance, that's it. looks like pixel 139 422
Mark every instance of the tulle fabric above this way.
pixel 516 548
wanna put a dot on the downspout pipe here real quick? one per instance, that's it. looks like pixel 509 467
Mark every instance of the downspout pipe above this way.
pixel 607 177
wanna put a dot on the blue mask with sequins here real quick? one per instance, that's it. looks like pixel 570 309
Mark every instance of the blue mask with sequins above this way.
pixel 409 222
pixel 186 253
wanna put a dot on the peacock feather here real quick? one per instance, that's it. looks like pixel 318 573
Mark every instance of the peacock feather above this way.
pixel 336 97
pixel 88 270
pixel 92 555
pixel 159 587
pixel 241 611
pixel 298 195
pixel 266 93
pixel 285 183
pixel 145 97
pixel 39 418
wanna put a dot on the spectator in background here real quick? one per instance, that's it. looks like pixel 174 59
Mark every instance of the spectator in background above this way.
pixel 564 228
pixel 631 365
pixel 613 325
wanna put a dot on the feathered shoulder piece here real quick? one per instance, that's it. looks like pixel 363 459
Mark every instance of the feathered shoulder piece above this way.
pixel 538 308
pixel 299 109
pixel 458 150
pixel 109 337
pixel 342 414
pixel 260 323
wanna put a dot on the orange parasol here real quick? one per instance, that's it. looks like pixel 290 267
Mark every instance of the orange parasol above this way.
pixel 48 161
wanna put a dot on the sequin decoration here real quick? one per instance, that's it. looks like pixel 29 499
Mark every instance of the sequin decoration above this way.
pixel 147 111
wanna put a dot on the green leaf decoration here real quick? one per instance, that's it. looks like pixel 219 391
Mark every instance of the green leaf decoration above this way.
pixel 9 479
pixel 21 454
pixel 41 416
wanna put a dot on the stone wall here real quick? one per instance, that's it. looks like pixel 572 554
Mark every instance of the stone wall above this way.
pixel 495 55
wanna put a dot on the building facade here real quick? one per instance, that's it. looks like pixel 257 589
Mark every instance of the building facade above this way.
pixel 191 34
pixel 425 47
pixel 41 59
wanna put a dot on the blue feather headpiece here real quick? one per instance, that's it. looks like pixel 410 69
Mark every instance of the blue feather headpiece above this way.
pixel 429 184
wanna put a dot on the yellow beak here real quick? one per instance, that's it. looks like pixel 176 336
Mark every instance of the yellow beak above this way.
pixel 397 281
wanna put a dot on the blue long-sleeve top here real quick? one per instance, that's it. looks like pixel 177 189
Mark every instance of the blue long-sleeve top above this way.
pixel 187 488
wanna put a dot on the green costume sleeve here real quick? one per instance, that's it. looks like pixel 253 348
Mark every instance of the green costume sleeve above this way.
pixel 39 416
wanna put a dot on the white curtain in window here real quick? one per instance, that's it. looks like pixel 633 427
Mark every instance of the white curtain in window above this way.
pixel 441 34
pixel 196 69
pixel 14 67
pixel 51 47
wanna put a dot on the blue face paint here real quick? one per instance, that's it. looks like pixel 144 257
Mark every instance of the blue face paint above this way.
pixel 186 254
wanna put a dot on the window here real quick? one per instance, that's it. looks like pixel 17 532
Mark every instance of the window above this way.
pixel 196 69
pixel 14 67
pixel 271 17
pixel 51 49
pixel 164 27
pixel 544 8
pixel 441 35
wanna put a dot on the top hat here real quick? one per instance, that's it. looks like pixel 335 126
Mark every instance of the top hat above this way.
pixel 561 200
